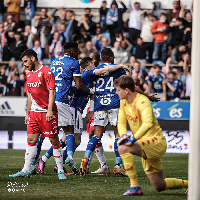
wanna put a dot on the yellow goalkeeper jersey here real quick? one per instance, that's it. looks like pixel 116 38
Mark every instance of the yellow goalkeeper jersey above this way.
pixel 140 117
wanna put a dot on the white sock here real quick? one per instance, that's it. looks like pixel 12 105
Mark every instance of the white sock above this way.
pixel 100 155
pixel 44 158
pixel 31 151
pixel 90 159
pixel 58 155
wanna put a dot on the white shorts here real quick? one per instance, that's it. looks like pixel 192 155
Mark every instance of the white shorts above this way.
pixel 78 121
pixel 101 118
pixel 64 114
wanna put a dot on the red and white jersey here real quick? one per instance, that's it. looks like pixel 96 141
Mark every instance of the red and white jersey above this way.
pixel 38 85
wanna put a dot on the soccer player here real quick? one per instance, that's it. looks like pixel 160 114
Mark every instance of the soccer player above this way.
pixel 147 140
pixel 106 105
pixel 66 70
pixel 41 114
pixel 79 102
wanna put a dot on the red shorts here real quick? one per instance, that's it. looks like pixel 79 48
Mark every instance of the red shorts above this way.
pixel 38 124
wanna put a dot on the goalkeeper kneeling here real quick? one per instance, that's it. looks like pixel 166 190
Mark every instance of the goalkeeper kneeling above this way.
pixel 147 140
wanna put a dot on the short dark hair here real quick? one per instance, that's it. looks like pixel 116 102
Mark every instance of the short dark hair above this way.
pixel 29 53
pixel 106 53
pixel 88 9
pixel 124 82
pixel 96 55
pixel 85 62
pixel 70 45
pixel 171 72
pixel 163 14
pixel 156 65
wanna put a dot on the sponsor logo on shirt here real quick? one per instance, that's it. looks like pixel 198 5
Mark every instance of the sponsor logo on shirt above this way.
pixel 135 118
pixel 34 84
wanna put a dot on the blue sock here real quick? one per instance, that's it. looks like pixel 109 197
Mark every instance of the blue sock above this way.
pixel 118 158
pixel 62 143
pixel 71 144
pixel 49 153
pixel 91 145
pixel 39 145
pixel 64 155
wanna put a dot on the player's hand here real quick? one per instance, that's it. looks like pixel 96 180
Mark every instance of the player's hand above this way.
pixel 124 139
pixel 26 120
pixel 89 116
pixel 49 115
pixel 153 98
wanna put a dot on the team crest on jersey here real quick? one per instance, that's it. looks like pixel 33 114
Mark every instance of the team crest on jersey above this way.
pixel 39 74
pixel 142 102
pixel 49 72
pixel 28 75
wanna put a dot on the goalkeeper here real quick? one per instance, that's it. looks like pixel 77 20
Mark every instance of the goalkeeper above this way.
pixel 147 140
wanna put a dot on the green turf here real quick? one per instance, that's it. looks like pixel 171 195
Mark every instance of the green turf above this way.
pixel 48 186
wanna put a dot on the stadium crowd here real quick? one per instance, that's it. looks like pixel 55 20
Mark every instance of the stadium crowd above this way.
pixel 158 37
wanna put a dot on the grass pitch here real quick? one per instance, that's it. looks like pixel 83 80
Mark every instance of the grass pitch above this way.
pixel 48 186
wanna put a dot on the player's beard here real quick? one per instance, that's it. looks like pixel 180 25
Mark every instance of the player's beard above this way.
pixel 32 66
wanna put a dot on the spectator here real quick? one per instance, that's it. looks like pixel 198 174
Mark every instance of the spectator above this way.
pixel 17 47
pixel 3 80
pixel 55 47
pixel 137 81
pixel 82 36
pixel 61 19
pixel 188 76
pixel 39 50
pixel 51 36
pixel 157 11
pixel 159 30
pixel 177 31
pixel 15 85
pixel 156 83
pixel 13 9
pixel 126 45
pixel 30 8
pixel 173 92
pixel 97 36
pixel 103 13
pixel 140 51
pixel 177 54
pixel 104 44
pixel 28 37
pixel 114 20
pixel 2 10
pixel 72 27
pixel 121 56
pixel 142 74
pixel 2 33
pixel 88 12
pixel 146 35
pixel 134 22
pixel 12 67
pixel 42 23
pixel 86 23
pixel 174 14
pixel 11 24
pixel 88 49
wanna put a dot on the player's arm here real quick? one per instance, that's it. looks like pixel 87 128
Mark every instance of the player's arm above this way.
pixel 122 121
pixel 151 97
pixel 28 108
pixel 90 114
pixel 52 97
pixel 109 68
pixel 146 111
pixel 81 86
